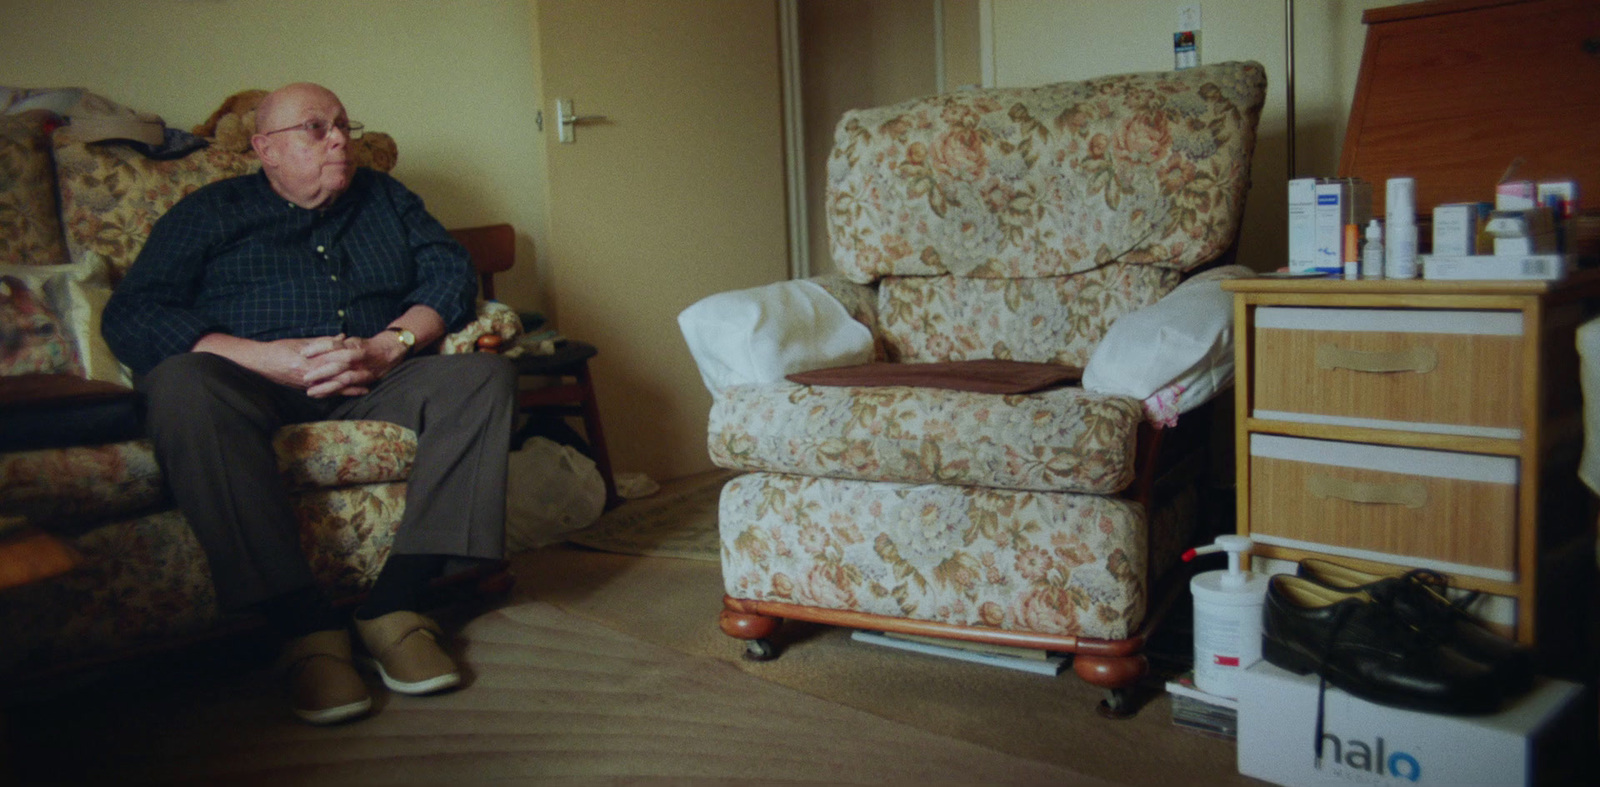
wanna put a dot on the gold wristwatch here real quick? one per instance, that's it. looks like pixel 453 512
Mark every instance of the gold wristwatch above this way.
pixel 406 337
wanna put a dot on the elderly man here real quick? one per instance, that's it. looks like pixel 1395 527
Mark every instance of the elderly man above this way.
pixel 307 292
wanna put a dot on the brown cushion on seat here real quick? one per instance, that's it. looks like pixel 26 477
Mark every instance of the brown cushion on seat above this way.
pixel 983 376
pixel 39 390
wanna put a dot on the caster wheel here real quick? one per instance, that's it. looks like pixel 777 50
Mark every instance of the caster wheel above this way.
pixel 1116 705
pixel 759 650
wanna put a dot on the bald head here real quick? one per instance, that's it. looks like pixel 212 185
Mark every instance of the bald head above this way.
pixel 301 144
pixel 278 108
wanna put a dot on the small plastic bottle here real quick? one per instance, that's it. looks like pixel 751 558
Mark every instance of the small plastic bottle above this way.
pixel 1372 253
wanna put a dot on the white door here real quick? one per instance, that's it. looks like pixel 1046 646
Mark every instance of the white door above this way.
pixel 677 194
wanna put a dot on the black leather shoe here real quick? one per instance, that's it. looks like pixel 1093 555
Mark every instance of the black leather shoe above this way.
pixel 1366 649
pixel 1419 598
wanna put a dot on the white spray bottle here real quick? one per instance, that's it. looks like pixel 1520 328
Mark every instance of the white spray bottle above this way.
pixel 1227 618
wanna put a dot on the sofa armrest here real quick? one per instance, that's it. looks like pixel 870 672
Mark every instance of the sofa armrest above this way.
pixel 759 335
pixel 495 320
pixel 1174 354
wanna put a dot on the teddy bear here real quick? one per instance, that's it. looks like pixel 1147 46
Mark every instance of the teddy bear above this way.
pixel 232 124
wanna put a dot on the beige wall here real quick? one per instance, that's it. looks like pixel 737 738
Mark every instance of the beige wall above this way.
pixel 455 83
pixel 1039 41
pixel 855 53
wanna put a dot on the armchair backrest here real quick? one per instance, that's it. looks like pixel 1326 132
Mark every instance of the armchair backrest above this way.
pixel 1021 222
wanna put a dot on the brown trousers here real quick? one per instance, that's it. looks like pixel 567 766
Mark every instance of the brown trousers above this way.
pixel 212 423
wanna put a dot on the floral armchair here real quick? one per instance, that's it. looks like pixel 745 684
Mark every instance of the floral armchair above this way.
pixel 1015 225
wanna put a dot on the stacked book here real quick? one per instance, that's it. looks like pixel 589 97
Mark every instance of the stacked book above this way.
pixel 1202 712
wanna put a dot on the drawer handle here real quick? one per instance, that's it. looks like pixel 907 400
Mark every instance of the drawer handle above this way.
pixel 1417 359
pixel 1410 494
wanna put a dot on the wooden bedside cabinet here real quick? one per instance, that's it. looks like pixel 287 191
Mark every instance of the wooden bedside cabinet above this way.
pixel 1390 425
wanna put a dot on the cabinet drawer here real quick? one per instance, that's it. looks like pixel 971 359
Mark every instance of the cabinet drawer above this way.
pixel 1425 370
pixel 1452 512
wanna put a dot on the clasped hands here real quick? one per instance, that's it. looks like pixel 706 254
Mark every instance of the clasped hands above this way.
pixel 338 365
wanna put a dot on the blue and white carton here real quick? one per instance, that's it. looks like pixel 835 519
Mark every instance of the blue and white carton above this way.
pixel 1364 743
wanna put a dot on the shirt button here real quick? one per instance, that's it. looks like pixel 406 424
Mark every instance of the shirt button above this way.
pixel 341 312
pixel 335 278
pixel 321 249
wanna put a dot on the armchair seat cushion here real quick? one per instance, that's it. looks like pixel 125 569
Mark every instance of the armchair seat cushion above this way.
pixel 67 489
pixel 1049 563
pixel 1058 440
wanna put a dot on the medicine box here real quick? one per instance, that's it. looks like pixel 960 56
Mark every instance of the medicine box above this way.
pixel 1340 202
pixel 1367 743
pixel 1302 224
pixel 1515 195
pixel 1455 229
pixel 1524 267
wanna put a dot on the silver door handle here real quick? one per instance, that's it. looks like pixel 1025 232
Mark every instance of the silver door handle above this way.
pixel 567 120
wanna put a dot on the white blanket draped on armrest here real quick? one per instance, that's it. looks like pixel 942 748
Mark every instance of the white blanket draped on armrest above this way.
pixel 761 334
pixel 1589 381
pixel 1181 344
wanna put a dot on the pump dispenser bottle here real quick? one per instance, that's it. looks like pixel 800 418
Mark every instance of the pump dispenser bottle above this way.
pixel 1400 241
pixel 1227 618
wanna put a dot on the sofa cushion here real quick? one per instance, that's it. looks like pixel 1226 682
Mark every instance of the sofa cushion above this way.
pixel 64 490
pixel 1056 319
pixel 1049 563
pixel 344 453
pixel 75 296
pixel 111 194
pixel 30 230
pixel 144 582
pixel 1061 440
pixel 1046 181
pixel 35 336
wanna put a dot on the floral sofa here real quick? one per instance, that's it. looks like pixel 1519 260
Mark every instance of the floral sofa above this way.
pixel 73 216
pixel 1013 225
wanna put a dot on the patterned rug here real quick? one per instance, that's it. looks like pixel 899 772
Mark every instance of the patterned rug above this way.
pixel 678 521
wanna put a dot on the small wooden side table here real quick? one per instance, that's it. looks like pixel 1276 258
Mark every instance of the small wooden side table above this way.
pixel 1437 424
pixel 571 394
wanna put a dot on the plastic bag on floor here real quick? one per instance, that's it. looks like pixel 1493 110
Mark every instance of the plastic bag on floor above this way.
pixel 551 490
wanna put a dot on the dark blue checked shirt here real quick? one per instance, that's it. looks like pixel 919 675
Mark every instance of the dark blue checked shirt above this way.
pixel 236 258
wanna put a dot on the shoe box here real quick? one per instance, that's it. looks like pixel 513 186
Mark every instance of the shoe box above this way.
pixel 1532 740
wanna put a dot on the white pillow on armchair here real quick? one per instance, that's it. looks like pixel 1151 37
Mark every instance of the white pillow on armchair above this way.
pixel 759 335
pixel 1181 344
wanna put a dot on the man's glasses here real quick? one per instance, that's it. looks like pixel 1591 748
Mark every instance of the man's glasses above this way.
pixel 319 129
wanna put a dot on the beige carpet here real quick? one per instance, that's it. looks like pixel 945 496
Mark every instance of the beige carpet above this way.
pixel 608 667
pixel 554 699
pixel 674 603
pixel 678 521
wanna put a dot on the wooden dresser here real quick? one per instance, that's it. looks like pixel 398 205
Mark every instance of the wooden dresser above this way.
pixel 1416 424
